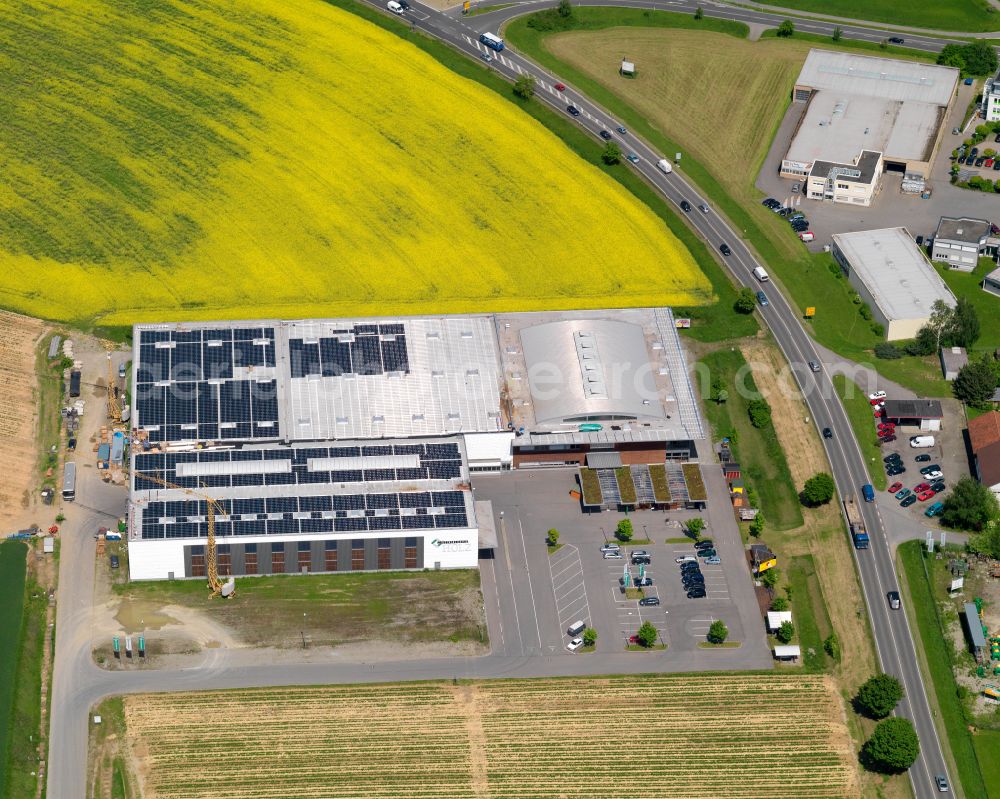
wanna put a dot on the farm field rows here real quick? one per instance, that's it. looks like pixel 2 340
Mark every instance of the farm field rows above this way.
pixel 721 736
pixel 182 161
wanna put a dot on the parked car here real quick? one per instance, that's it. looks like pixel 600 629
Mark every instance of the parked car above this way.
pixel 980 161
pixel 114 562
pixel 71 444
pixel 705 543
pixel 691 566
pixel 974 152
pixel 715 560
pixel 708 553
pixel 827 432
pixel 934 475
pixel 685 206
pixel 938 486
pixel 923 496
pixel 934 510
pixel 996 164
pixel 641 560
pixel 886 439
pixel 921 487
pixel 796 216
pixel 924 458
pixel 795 188
pixel 878 395
pixel 610 547
pixel 686 559
pixel 895 456
pixel 903 492
pixel 613 555
pixel 892 471
pixel 575 644
pixel 988 163
pixel 770 202
pixel 910 500
pixel 695 593
pixel 895 487
pixel 649 601
pixel 643 582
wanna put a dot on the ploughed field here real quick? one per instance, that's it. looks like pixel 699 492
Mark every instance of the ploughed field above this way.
pixel 746 736
pixel 181 159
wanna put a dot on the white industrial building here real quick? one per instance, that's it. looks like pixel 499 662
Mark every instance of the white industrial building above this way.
pixel 959 241
pixel 893 276
pixel 865 115
pixel 991 98
pixel 342 445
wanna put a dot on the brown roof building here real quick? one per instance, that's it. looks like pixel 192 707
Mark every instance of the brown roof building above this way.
pixel 984 440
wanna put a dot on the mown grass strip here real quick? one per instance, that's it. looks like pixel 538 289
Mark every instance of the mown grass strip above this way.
pixel 13 560
pixel 812 623
pixel 939 665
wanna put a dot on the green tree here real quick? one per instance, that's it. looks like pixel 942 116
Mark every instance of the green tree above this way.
pixel 565 9
pixel 963 328
pixel 779 604
pixel 975 383
pixel 647 635
pixel 924 343
pixel 695 527
pixel 987 542
pixel 970 506
pixel 524 86
pixel 785 632
pixel 698 13
pixel 757 525
pixel 980 58
pixel 769 578
pixel 837 34
pixel 831 645
pixel 818 490
pixel 612 154
pixel 589 636
pixel 892 748
pixel 786 29
pixel 717 632
pixel 759 412
pixel 624 531
pixel 552 537
pixel 951 56
pixel 878 696
pixel 745 301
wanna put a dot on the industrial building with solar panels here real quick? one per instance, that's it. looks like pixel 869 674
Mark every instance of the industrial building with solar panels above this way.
pixel 344 445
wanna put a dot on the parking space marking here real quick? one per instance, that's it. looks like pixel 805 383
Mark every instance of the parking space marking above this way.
pixel 571 594
pixel 496 588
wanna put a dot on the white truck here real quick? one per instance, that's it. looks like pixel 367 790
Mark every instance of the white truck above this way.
pixel 922 442
pixel 664 166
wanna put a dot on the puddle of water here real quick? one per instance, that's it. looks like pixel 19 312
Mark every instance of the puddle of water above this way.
pixel 135 616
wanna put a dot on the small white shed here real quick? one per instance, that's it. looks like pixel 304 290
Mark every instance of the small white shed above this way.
pixel 775 618
pixel 627 68
pixel 48 545
pixel 789 652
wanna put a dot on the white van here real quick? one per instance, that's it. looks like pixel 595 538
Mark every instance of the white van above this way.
pixel 806 236
pixel 664 166
pixel 922 442
pixel 394 7
pixel 576 628
pixel 760 274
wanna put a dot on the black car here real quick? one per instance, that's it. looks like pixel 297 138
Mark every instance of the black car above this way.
pixel 920 241
pixel 642 582
pixel 573 110
pixel 974 152
pixel 693 577
pixel 114 562
pixel 895 470
pixel 997 138
pixel 896 40
pixel 688 572
pixel 827 432
pixel 649 600
pixel 937 486
pixel 886 439
pixel 925 458
pixel 724 249
pixel 641 560
pixel 896 457
pixel 799 227
pixel 685 206
pixel 71 444
pixel 705 543
pixel 605 135
pixel 692 594
pixel 770 202
pixel 996 164
pixel 980 161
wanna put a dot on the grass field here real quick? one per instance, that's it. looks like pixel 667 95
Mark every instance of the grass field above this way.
pixel 813 626
pixel 967 284
pixel 758 450
pixel 973 16
pixel 987 744
pixel 12 573
pixel 665 103
pixel 859 412
pixel 183 161
pixel 761 735
pixel 400 607
pixel 937 662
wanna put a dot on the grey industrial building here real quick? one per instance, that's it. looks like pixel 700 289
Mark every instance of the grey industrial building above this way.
pixel 959 242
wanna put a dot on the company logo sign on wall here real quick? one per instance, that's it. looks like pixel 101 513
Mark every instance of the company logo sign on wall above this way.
pixel 455 545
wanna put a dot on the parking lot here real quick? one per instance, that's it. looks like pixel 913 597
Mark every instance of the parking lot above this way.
pixel 532 597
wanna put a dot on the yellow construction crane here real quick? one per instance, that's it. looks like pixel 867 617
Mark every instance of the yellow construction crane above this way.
pixel 114 407
pixel 217 587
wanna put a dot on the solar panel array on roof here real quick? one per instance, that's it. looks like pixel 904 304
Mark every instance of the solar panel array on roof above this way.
pixel 417 510
pixel 291 466
pixel 361 350
pixel 199 384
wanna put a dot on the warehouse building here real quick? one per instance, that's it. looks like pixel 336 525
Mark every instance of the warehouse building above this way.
pixel 891 274
pixel 865 115
pixel 342 445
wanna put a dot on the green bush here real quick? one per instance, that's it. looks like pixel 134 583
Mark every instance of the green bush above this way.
pixel 892 748
pixel 759 412
pixel 718 632
pixel 887 351
pixel 785 632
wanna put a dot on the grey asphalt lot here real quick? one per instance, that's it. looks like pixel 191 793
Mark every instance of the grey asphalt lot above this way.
pixel 78 683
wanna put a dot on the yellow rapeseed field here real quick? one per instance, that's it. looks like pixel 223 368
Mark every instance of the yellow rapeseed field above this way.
pixel 176 159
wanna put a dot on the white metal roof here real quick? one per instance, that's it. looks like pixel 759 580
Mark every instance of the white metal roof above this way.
pixel 897 275
pixel 775 618
pixel 871 76
pixel 788 651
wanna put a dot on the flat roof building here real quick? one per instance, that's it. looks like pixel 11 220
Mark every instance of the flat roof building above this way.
pixel 958 242
pixel 859 103
pixel 892 275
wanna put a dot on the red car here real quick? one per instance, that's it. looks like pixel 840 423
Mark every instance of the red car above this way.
pixel 876 401
pixel 920 489
pixel 895 487
pixel 923 496
pixel 988 163
pixel 559 87
pixel 886 426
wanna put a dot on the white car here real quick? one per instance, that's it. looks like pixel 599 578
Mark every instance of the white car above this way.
pixel 935 475
pixel 610 547
pixel 575 644
pixel 878 395
pixel 686 559
pixel 614 554
pixel 394 7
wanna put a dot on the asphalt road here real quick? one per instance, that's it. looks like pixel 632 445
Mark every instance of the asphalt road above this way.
pixel 78 683
pixel 891 628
